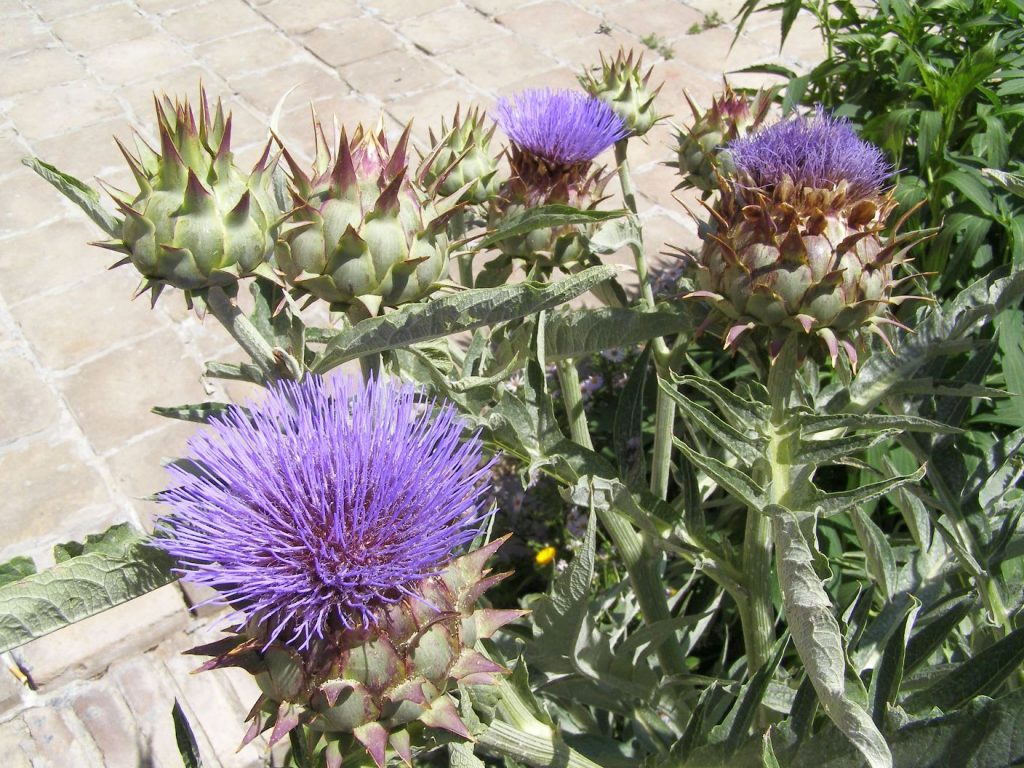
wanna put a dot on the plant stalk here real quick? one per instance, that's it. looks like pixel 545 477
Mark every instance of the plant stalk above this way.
pixel 569 381
pixel 274 364
pixel 666 410
pixel 640 560
pixel 535 749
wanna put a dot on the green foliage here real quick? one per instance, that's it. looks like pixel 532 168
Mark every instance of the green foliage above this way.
pixel 104 571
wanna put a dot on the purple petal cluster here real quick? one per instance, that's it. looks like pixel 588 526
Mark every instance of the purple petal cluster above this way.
pixel 561 126
pixel 816 151
pixel 329 499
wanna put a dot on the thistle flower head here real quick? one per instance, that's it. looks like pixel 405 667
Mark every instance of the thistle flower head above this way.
pixel 819 151
pixel 563 127
pixel 326 502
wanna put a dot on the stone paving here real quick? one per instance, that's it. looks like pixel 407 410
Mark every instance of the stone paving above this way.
pixel 81 364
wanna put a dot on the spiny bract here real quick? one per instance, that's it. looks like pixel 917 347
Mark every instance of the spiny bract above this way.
pixel 625 87
pixel 197 220
pixel 796 241
pixel 363 231
pixel 461 156
pixel 328 517
pixel 731 116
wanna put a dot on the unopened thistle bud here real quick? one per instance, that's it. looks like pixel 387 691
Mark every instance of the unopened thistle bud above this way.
pixel 461 156
pixel 730 117
pixel 197 220
pixel 625 87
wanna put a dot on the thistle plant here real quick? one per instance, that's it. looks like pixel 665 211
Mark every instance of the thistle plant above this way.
pixel 796 242
pixel 789 543
pixel 338 559
pixel 362 232
pixel 197 221
pixel 555 137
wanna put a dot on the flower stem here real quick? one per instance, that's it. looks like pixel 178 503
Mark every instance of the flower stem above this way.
pixel 639 559
pixel 569 381
pixel 532 748
pixel 666 409
pixel 759 618
pixel 274 363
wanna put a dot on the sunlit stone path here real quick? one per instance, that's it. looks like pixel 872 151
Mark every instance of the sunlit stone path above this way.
pixel 81 364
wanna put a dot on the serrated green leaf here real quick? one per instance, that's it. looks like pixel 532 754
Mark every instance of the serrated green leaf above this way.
pixel 733 480
pixel 880 558
pixel 828 504
pixel 464 311
pixel 185 739
pixel 940 624
pixel 1008 181
pixel 627 429
pixel 740 410
pixel 123 568
pixel 201 413
pixel 16 568
pixel 944 330
pixel 81 194
pixel 818 640
pixel 543 217
pixel 978 676
pixel 749 449
pixel 815 422
pixel 582 332
pixel 818 452
pixel 888 675
pixel 559 617
pixel 741 717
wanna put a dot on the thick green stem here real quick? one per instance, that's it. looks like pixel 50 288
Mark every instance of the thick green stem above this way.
pixel 275 364
pixel 569 380
pixel 759 615
pixel 666 409
pixel 639 560
pixel 664 431
pixel 541 751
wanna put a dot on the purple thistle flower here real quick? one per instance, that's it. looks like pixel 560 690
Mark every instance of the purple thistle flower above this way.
pixel 309 511
pixel 561 126
pixel 816 151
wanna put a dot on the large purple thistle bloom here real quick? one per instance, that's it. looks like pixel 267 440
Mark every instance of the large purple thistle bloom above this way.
pixel 561 126
pixel 816 151
pixel 324 502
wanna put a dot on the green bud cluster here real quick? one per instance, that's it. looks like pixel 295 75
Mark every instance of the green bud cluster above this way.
pixel 730 116
pixel 460 160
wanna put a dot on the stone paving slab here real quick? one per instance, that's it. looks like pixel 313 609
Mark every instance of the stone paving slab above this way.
pixel 81 364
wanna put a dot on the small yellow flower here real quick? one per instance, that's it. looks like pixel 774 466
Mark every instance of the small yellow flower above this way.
pixel 545 556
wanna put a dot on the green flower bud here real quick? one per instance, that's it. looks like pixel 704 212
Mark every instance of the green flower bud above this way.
pixel 197 220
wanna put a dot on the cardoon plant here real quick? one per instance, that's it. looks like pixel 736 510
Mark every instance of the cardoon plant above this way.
pixel 330 518
pixel 769 587
pixel 796 244
pixel 555 137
